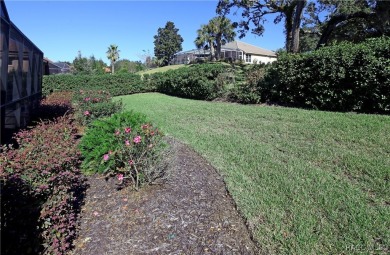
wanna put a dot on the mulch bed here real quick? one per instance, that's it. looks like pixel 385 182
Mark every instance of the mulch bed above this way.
pixel 190 213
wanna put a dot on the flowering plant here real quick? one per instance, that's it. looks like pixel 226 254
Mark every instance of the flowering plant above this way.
pixel 93 104
pixel 134 160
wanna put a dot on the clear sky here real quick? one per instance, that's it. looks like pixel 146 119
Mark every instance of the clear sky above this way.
pixel 62 28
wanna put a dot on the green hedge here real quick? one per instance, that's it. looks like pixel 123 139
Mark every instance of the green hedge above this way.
pixel 199 81
pixel 118 84
pixel 344 77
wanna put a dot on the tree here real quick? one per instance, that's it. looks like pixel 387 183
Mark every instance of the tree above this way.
pixel 167 42
pixel 349 20
pixel 255 12
pixel 205 40
pixel 216 33
pixel 128 66
pixel 113 56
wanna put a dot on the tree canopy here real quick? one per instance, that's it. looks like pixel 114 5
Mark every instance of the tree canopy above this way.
pixel 213 35
pixel 83 65
pixel 317 22
pixel 167 42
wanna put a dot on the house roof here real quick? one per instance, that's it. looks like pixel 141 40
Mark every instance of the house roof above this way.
pixel 249 48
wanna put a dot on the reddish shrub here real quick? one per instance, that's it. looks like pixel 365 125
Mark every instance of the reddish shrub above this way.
pixel 44 172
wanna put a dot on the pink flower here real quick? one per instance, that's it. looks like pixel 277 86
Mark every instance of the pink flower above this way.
pixel 137 139
pixel 131 162
pixel 120 177
pixel 127 130
pixel 106 157
pixel 87 113
pixel 145 126
pixel 95 213
pixel 87 99
pixel 127 142
pixel 117 132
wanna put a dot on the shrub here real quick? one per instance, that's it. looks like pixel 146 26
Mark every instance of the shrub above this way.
pixel 124 145
pixel 343 77
pixel 137 157
pixel 93 104
pixel 99 139
pixel 118 84
pixel 41 186
pixel 54 105
pixel 196 82
pixel 247 92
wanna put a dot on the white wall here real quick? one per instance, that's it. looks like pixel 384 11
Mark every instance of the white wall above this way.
pixel 260 59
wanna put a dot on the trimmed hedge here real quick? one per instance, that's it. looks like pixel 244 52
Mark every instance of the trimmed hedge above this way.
pixel 118 84
pixel 344 77
pixel 196 82
pixel 201 81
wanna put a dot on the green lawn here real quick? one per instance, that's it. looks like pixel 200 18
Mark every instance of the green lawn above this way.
pixel 161 69
pixel 307 182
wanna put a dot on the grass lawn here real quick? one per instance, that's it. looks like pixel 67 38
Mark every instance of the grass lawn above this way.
pixel 307 182
pixel 161 69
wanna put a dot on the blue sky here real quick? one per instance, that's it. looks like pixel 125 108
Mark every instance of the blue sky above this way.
pixel 62 28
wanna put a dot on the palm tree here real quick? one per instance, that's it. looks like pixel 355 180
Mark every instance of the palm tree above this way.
pixel 205 40
pixel 223 29
pixel 113 55
pixel 216 33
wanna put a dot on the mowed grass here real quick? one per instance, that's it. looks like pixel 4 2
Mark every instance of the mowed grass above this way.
pixel 161 69
pixel 307 182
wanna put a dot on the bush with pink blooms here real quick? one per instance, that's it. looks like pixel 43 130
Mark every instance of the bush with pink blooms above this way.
pixel 90 105
pixel 126 146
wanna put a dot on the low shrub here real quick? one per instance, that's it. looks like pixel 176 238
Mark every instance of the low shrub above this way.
pixel 118 84
pixel 125 145
pixel 54 105
pixel 41 185
pixel 99 139
pixel 90 105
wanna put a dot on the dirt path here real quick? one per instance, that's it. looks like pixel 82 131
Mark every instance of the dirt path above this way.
pixel 190 214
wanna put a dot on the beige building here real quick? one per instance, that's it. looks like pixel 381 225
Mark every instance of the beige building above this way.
pixel 252 54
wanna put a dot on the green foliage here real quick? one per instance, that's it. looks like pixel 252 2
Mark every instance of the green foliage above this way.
pixel 93 104
pixel 197 81
pixel 82 65
pixel 344 77
pixel 167 42
pixel 40 186
pixel 118 84
pixel 137 158
pixel 100 138
pixel 127 66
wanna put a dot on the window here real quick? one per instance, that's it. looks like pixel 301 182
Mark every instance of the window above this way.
pixel 248 58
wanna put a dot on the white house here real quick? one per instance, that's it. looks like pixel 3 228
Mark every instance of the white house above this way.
pixel 235 50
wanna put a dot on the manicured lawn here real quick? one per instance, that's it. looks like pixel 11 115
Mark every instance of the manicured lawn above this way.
pixel 161 69
pixel 307 182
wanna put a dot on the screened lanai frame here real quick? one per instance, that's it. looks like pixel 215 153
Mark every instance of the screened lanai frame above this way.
pixel 186 57
pixel 21 64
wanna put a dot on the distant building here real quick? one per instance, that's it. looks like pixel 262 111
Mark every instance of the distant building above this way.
pixel 235 50
pixel 55 67
pixel 21 76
